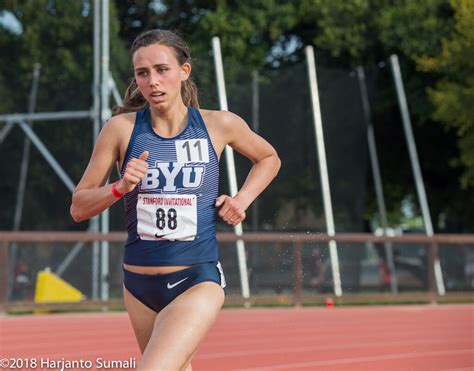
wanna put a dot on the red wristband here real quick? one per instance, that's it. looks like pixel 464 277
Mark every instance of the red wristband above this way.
pixel 115 191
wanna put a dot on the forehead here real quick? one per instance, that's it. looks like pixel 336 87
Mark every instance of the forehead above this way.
pixel 153 54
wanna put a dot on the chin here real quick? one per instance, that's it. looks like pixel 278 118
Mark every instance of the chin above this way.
pixel 158 106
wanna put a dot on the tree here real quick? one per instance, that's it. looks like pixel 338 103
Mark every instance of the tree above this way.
pixel 267 34
pixel 453 93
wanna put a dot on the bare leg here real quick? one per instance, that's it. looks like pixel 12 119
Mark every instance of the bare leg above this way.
pixel 180 327
pixel 141 317
pixel 143 320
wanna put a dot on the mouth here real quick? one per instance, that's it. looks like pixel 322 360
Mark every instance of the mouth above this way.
pixel 157 96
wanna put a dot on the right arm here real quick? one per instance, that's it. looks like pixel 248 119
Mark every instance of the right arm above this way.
pixel 92 195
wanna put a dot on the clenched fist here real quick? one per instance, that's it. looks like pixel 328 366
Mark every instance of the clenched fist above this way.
pixel 134 172
pixel 232 212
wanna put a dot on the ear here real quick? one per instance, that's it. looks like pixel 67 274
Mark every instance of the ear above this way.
pixel 185 71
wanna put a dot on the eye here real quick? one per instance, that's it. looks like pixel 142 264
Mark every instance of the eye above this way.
pixel 141 73
pixel 162 69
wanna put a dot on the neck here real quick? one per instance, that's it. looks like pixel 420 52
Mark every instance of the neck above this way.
pixel 170 121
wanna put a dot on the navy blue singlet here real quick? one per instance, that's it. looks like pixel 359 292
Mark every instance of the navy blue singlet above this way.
pixel 171 214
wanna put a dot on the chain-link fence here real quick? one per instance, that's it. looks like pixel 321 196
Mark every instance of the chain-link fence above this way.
pixel 275 268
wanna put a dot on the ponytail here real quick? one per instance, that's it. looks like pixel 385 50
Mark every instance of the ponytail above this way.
pixel 133 100
pixel 189 93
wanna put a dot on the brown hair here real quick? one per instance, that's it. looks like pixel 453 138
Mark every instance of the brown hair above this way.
pixel 134 100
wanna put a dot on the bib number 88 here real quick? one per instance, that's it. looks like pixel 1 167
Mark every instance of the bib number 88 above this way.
pixel 161 217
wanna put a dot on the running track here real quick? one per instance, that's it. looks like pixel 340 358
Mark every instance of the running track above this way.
pixel 350 338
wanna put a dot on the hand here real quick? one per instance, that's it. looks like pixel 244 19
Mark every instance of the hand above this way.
pixel 232 211
pixel 134 172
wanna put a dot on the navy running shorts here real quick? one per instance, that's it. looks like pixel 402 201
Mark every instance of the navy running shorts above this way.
pixel 156 291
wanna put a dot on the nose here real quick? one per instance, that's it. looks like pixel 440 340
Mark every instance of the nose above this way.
pixel 154 78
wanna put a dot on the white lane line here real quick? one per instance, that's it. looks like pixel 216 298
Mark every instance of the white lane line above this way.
pixel 352 345
pixel 361 359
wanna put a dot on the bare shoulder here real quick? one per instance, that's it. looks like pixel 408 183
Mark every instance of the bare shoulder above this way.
pixel 220 117
pixel 224 128
pixel 115 135
pixel 222 121
pixel 227 128
pixel 122 122
pixel 118 129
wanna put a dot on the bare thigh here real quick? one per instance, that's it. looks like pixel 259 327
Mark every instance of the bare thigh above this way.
pixel 143 320
pixel 181 326
pixel 141 317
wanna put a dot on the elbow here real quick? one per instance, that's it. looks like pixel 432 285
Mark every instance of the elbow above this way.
pixel 271 163
pixel 277 163
pixel 76 214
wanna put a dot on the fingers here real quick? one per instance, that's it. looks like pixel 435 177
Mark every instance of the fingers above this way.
pixel 130 182
pixel 220 200
pixel 233 218
pixel 231 211
pixel 134 175
pixel 137 165
pixel 144 155
pixel 135 171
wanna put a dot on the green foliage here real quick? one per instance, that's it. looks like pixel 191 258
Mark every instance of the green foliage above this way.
pixel 264 35
pixel 249 30
pixel 340 27
pixel 453 93
pixel 413 27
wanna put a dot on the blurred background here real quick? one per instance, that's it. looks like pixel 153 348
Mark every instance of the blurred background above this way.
pixel 263 43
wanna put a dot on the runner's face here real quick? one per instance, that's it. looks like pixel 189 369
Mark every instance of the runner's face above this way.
pixel 159 75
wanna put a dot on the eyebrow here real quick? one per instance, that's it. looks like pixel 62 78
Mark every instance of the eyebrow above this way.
pixel 154 66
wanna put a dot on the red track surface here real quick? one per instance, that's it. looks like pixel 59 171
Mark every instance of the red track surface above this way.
pixel 358 338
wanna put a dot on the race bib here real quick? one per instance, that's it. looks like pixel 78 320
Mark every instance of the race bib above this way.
pixel 192 150
pixel 166 217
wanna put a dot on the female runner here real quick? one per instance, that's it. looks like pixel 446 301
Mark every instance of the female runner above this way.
pixel 168 151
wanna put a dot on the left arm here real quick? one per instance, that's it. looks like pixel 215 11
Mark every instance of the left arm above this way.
pixel 266 163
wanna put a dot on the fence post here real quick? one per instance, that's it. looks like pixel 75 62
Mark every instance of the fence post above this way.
pixel 297 274
pixel 4 276
pixel 432 255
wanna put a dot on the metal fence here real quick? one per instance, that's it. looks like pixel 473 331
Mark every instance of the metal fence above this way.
pixel 284 268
